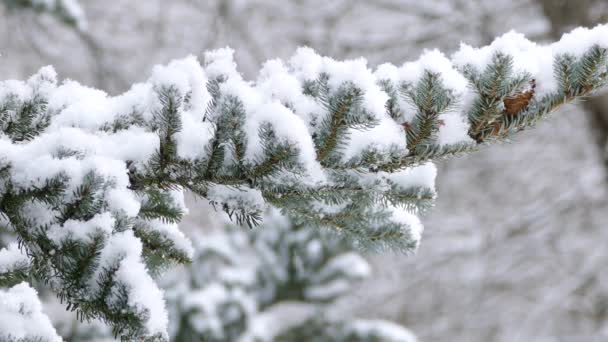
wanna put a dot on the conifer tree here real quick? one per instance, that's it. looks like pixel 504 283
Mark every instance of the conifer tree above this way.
pixel 238 276
pixel 91 186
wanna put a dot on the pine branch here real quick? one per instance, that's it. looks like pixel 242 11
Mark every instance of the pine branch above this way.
pixel 326 146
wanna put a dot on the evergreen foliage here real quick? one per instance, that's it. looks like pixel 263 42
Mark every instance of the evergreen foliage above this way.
pixel 91 186
pixel 237 276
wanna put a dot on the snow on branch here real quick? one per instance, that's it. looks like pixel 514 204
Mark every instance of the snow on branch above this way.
pixel 14 265
pixel 92 185
pixel 21 316
pixel 238 277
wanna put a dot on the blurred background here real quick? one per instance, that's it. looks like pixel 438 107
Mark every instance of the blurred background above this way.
pixel 516 247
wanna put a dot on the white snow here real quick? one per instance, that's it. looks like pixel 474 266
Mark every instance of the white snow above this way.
pixel 534 58
pixel 221 62
pixel 21 316
pixel 420 176
pixel 246 198
pixel 78 115
pixel 12 258
pixel 386 136
pixel 454 129
pixel 193 137
pixel 276 80
pixel 124 249
pixel 306 65
pixel 412 221
pixel 389 332
pixel 171 232
pixel 436 62
pixel 100 224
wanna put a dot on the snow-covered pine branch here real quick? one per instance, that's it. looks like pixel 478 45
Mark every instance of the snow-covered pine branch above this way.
pixel 240 279
pixel 92 185
pixel 21 316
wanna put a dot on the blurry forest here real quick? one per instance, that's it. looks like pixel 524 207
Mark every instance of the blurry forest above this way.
pixel 515 249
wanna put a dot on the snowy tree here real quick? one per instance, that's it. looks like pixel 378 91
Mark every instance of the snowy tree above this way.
pixel 238 277
pixel 94 200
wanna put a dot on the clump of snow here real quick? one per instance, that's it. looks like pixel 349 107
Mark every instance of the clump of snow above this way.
pixel 21 316
pixel 279 85
pixel 12 258
pixel 581 39
pixel 306 65
pixel 276 80
pixel 411 221
pixel 245 198
pixel 44 81
pixel 422 176
pixel 384 137
pixel 124 251
pixel 263 109
pixel 71 99
pixel 188 78
pixel 171 232
pixel 193 137
pixel 419 176
pixel 122 200
pixel 533 58
pixel 454 129
pixel 434 61
pixel 289 127
pixel 455 126
pixel 85 231
pixel 220 63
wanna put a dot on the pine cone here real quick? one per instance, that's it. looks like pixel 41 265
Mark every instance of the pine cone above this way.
pixel 517 103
